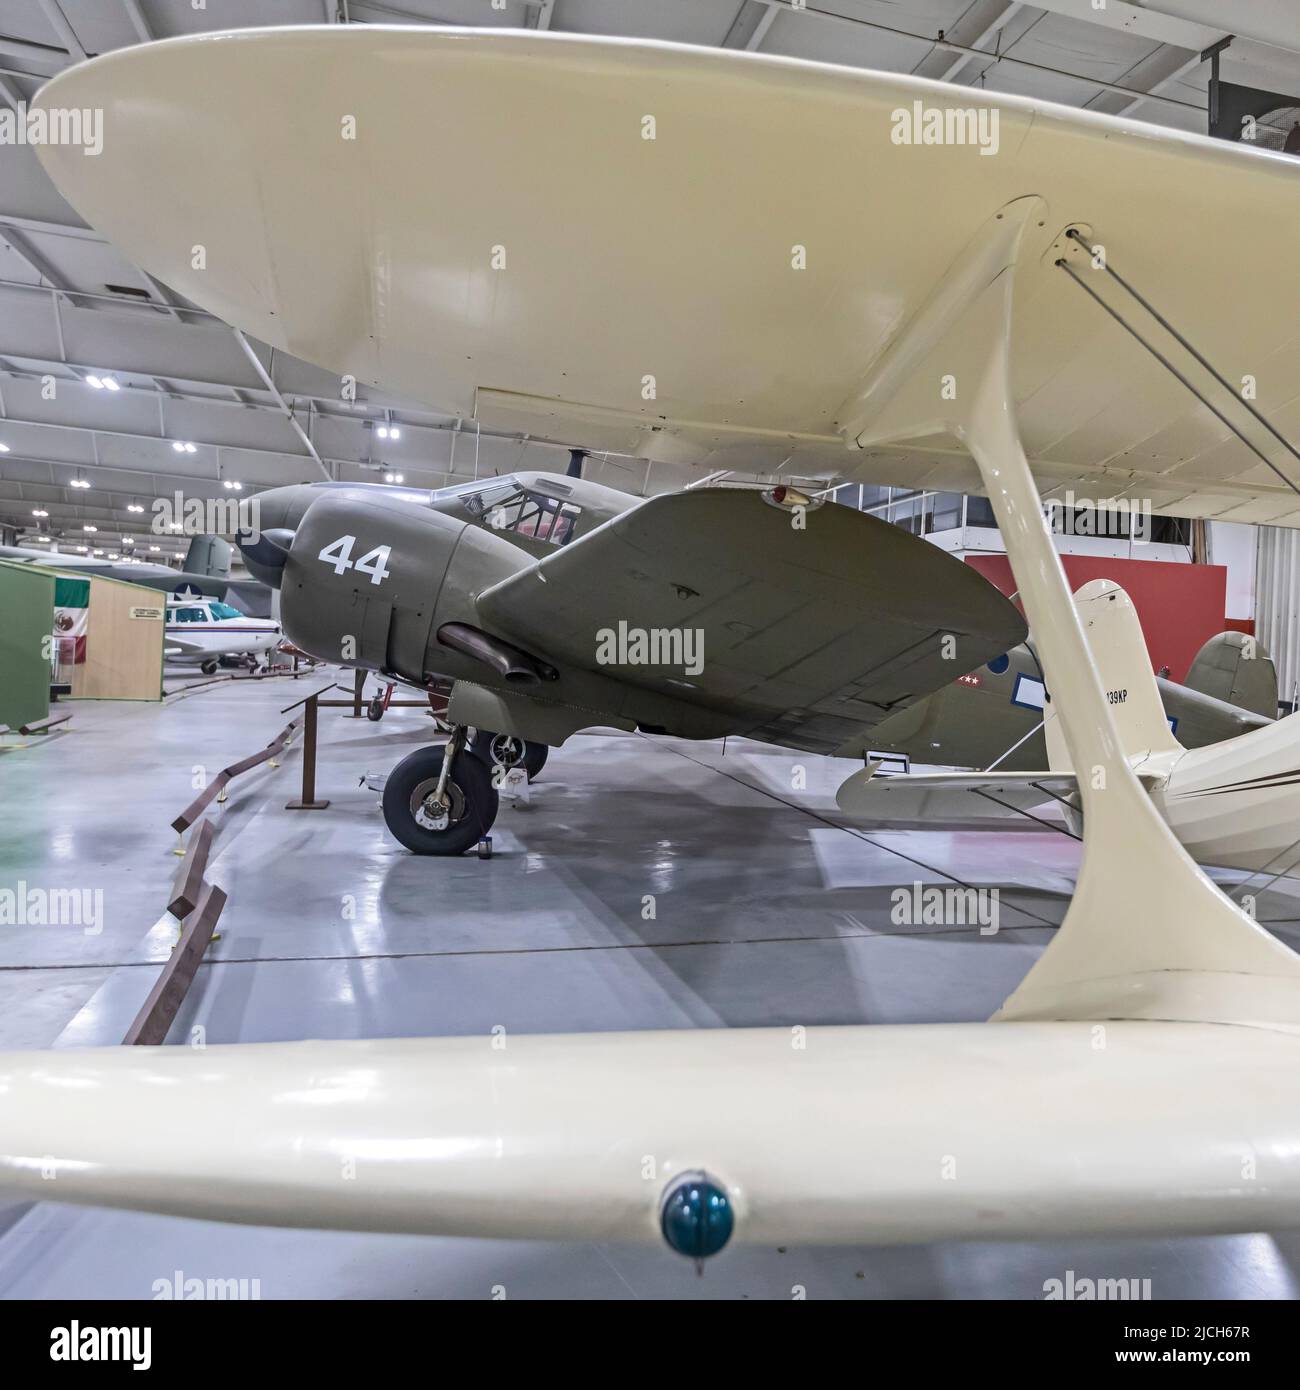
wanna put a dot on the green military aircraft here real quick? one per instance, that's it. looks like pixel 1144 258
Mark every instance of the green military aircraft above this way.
pixel 551 604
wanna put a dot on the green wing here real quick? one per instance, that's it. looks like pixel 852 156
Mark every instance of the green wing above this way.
pixel 811 626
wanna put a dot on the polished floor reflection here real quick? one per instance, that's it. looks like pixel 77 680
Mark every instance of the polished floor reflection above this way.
pixel 648 883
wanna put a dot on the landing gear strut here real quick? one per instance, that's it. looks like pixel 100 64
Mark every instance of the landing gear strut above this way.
pixel 438 801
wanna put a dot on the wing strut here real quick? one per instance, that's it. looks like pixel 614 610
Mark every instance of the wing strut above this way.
pixel 1147 934
pixel 1100 259
pixel 1183 380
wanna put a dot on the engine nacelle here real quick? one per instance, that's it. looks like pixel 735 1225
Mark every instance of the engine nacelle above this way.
pixel 370 580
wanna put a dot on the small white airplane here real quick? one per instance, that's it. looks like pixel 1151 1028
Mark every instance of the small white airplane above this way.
pixel 200 631
pixel 1235 803
pixel 1145 1074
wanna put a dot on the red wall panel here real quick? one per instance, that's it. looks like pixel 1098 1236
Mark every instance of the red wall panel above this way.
pixel 1180 605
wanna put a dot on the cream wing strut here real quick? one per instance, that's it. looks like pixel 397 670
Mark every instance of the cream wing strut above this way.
pixel 1147 934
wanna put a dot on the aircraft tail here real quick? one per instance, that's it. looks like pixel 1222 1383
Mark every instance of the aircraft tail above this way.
pixel 208 555
pixel 1235 667
pixel 1120 651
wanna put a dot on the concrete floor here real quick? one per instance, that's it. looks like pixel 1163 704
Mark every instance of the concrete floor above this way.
pixel 768 912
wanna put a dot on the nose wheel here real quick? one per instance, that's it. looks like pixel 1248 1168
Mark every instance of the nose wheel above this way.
pixel 438 801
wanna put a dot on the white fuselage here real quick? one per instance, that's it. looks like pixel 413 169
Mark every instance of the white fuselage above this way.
pixel 190 640
pixel 1235 803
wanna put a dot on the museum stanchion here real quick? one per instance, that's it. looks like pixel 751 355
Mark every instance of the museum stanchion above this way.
pixel 308 801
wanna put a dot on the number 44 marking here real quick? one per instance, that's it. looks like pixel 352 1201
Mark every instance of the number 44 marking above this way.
pixel 374 563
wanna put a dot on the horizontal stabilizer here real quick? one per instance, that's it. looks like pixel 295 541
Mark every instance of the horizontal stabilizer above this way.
pixel 950 795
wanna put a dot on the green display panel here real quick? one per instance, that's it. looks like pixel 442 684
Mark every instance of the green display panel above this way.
pixel 26 626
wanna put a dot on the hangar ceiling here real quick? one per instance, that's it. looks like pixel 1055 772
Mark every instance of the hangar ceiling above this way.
pixel 72 309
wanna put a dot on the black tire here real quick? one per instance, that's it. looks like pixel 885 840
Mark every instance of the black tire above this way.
pixel 501 750
pixel 209 668
pixel 375 709
pixel 473 798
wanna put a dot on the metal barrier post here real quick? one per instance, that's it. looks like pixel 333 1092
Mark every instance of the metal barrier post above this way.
pixel 308 800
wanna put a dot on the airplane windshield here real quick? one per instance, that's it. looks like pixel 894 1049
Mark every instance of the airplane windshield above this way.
pixel 224 610
pixel 536 516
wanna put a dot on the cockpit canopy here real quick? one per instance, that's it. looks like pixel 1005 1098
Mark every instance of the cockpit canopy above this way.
pixel 525 512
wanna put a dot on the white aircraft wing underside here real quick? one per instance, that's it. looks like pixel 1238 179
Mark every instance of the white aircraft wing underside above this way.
pixel 860 1135
pixel 517 231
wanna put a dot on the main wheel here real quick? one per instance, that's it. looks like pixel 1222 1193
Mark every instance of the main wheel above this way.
pixel 209 668
pixel 375 709
pixel 507 750
pixel 418 822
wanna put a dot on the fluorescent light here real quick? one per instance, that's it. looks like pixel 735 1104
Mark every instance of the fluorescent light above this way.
pixel 191 448
pixel 134 507
pixel 90 528
pixel 111 384
pixel 394 477
pixel 394 432
pixel 4 448
pixel 39 511
pixel 383 431
pixel 155 548
pixel 95 382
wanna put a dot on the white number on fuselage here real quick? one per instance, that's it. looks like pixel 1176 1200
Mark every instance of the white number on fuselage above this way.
pixel 374 563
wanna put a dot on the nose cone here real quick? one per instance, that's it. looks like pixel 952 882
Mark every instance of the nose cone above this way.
pixel 275 515
pixel 282 508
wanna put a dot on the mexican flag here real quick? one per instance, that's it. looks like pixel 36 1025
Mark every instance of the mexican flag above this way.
pixel 71 613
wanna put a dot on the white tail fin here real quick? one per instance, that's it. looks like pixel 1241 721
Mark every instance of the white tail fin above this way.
pixel 1120 651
